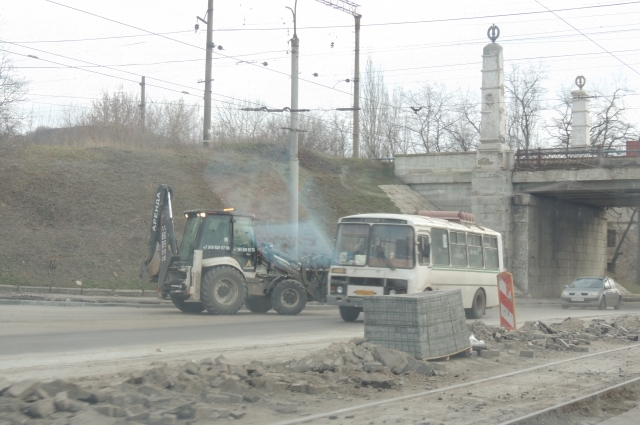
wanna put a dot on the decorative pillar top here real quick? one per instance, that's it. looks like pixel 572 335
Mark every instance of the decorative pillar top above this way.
pixel 493 33
pixel 580 81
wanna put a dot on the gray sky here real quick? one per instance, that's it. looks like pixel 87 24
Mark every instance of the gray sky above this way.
pixel 401 36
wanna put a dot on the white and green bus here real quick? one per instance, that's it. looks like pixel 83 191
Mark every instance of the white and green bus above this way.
pixel 388 254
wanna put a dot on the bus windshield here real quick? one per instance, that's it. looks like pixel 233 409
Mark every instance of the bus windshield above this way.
pixel 351 245
pixel 380 245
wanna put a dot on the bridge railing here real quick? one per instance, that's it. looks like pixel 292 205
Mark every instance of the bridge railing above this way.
pixel 574 158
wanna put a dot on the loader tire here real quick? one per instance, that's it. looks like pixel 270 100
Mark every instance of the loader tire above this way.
pixel 288 298
pixel 223 290
pixel 258 304
pixel 189 308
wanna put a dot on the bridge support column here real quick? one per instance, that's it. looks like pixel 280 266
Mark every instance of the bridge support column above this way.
pixel 555 242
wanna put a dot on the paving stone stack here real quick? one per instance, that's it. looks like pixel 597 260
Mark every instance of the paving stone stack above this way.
pixel 426 325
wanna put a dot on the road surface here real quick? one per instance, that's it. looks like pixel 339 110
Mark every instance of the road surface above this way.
pixel 56 342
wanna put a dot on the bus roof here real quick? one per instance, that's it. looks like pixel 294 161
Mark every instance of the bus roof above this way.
pixel 418 220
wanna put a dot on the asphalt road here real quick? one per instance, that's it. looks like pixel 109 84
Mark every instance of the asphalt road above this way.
pixel 58 341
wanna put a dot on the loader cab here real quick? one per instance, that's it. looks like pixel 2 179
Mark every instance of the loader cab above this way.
pixel 220 234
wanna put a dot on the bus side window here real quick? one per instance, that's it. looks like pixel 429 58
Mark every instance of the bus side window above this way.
pixel 440 239
pixel 490 245
pixel 425 251
pixel 474 248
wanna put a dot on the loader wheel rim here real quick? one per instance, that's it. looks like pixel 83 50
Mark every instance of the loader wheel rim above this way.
pixel 289 297
pixel 225 291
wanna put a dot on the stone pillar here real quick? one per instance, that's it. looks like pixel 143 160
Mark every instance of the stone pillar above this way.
pixel 580 119
pixel 491 187
pixel 493 153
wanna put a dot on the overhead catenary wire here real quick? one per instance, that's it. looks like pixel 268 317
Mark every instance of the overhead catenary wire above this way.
pixel 589 38
pixel 332 88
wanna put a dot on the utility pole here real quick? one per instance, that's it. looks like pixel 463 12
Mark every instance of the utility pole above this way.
pixel 356 93
pixel 143 105
pixel 206 135
pixel 293 137
pixel 352 9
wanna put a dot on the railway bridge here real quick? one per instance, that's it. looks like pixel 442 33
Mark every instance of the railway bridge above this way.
pixel 549 204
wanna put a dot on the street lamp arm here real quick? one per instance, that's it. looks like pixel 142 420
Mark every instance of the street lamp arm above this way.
pixel 344 5
pixel 293 11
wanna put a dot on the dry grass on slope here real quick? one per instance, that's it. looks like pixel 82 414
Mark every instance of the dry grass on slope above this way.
pixel 85 210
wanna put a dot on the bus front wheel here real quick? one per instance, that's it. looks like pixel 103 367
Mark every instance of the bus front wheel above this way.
pixel 477 308
pixel 350 314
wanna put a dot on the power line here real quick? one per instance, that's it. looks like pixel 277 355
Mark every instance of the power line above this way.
pixel 589 38
pixel 442 20
pixel 95 39
pixel 113 76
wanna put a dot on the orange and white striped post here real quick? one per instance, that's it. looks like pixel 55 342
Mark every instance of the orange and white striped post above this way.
pixel 507 300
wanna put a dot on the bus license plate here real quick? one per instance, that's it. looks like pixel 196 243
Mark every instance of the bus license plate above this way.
pixel 577 299
pixel 361 292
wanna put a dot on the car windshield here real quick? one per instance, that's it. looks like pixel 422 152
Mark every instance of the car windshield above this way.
pixel 590 282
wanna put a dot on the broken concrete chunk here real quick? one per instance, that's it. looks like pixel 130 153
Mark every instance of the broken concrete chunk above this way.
pixel 395 360
pixel 287 409
pixel 299 387
pixel 489 354
pixel 21 389
pixel 42 408
pixel 526 353
pixel 317 389
pixel 109 410
pixel 136 412
pixel 161 420
pixel 136 378
pixel 4 385
pixel 376 380
pixel 231 386
pixel 91 417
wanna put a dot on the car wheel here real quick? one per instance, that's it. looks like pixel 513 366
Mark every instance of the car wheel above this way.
pixel 565 307
pixel 618 304
pixel 603 303
pixel 477 308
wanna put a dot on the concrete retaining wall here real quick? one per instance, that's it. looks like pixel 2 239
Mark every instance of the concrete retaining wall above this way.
pixel 435 163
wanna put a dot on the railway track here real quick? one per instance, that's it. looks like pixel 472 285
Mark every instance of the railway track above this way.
pixel 520 397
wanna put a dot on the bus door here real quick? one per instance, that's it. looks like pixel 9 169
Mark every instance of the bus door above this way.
pixel 423 269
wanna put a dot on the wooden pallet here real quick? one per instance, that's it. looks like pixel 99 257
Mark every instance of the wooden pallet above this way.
pixel 463 352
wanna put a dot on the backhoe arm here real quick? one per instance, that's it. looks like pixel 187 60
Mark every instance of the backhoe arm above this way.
pixel 162 246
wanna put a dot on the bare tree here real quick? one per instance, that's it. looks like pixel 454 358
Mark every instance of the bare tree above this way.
pixel 13 90
pixel 524 107
pixel 610 127
pixel 464 127
pixel 558 127
pixel 431 119
pixel 375 110
pixel 176 122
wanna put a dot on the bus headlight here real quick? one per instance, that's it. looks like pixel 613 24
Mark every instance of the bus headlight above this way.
pixel 340 290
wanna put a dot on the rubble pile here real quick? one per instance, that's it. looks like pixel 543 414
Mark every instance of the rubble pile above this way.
pixel 210 389
pixel 570 334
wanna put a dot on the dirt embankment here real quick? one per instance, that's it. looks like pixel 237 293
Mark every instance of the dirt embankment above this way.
pixel 69 213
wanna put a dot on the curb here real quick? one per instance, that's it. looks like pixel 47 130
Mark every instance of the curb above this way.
pixel 43 303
